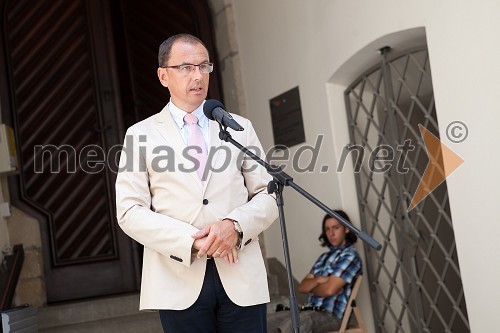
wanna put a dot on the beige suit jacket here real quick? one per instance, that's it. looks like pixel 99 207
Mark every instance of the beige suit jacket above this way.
pixel 160 205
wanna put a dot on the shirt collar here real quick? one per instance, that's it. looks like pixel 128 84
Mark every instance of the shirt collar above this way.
pixel 341 247
pixel 178 114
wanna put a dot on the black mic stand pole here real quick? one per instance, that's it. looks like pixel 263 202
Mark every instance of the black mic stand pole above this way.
pixel 277 188
pixel 281 179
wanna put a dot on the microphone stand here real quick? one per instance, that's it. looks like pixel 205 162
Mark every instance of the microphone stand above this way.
pixel 281 179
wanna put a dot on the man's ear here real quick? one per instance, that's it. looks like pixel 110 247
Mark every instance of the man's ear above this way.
pixel 163 76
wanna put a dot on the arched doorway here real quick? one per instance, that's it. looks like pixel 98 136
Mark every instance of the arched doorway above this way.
pixel 415 279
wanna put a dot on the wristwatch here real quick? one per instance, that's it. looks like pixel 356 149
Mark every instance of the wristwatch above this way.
pixel 238 229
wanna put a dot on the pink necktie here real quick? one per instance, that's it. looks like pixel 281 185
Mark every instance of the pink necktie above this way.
pixel 196 140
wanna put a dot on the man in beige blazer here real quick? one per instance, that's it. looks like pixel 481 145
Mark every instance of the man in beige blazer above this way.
pixel 202 267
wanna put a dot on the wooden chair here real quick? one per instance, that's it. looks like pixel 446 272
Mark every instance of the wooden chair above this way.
pixel 351 307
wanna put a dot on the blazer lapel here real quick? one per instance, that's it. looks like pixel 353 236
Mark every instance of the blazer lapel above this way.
pixel 170 132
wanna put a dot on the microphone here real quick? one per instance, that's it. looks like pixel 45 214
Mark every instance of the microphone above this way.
pixel 214 110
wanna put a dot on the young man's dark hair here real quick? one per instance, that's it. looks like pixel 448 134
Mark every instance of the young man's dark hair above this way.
pixel 350 237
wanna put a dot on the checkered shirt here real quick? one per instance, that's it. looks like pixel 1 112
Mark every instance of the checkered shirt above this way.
pixel 343 262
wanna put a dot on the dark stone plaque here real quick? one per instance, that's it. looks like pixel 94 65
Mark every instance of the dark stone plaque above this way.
pixel 286 115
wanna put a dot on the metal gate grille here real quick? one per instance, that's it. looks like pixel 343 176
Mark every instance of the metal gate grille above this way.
pixel 415 279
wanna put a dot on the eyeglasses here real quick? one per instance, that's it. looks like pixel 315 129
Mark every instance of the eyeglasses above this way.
pixel 206 67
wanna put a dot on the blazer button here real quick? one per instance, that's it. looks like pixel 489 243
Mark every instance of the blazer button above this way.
pixel 205 201
pixel 176 258
pixel 248 242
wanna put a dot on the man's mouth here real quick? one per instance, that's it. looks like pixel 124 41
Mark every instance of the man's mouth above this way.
pixel 196 89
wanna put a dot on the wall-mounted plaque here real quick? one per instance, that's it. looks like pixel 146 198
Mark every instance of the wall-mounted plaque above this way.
pixel 286 115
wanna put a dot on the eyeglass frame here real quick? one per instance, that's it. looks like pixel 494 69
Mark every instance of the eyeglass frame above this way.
pixel 211 64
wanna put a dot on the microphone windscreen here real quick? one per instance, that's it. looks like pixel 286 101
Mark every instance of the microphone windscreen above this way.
pixel 210 105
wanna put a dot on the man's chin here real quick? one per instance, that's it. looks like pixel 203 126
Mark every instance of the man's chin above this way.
pixel 335 244
pixel 198 98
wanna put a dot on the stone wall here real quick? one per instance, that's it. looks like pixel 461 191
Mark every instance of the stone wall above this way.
pixel 228 54
pixel 24 229
pixel 4 234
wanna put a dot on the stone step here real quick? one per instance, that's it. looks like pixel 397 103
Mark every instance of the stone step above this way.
pixel 110 315
pixel 145 322
pixel 121 313
pixel 114 314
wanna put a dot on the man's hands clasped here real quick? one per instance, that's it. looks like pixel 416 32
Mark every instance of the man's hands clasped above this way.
pixel 217 240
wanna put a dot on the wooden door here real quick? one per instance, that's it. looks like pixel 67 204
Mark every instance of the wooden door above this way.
pixel 77 74
pixel 63 109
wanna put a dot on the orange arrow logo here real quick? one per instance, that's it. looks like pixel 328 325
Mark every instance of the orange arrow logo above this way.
pixel 442 162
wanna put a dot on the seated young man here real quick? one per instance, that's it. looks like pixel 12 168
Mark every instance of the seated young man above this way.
pixel 329 282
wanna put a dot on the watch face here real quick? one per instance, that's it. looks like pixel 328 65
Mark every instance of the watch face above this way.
pixel 237 227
